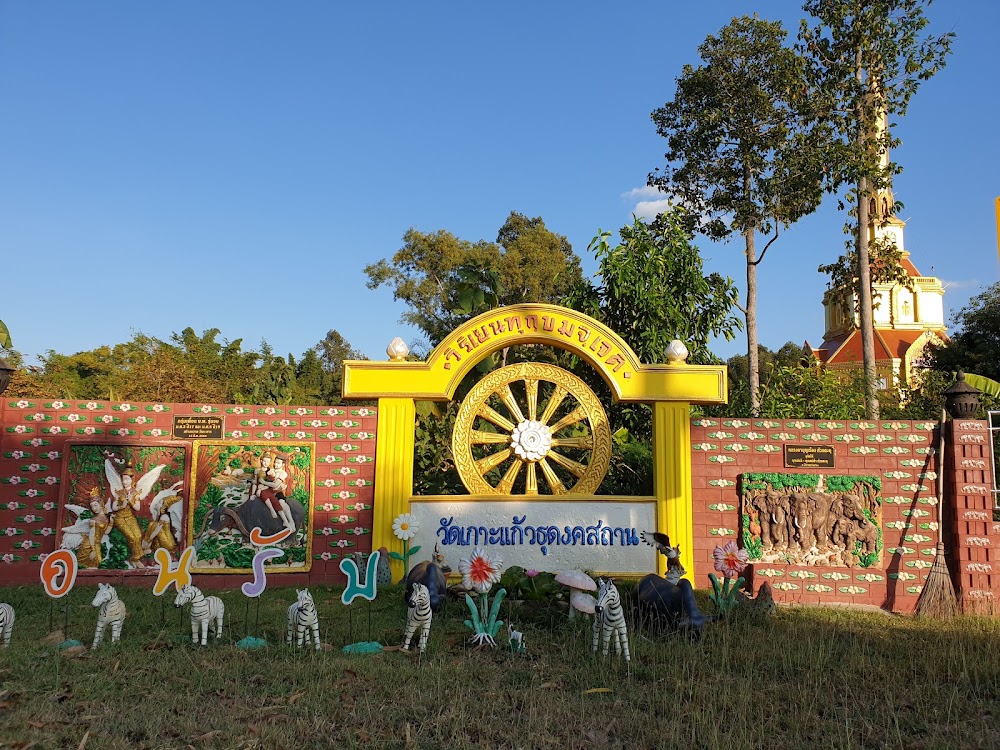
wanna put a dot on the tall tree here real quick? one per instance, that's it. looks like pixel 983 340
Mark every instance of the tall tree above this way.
pixel 432 272
pixel 975 341
pixel 742 157
pixel 866 60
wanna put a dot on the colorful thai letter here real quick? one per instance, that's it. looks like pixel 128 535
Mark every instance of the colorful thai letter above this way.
pixel 353 588
pixel 179 576
pixel 63 563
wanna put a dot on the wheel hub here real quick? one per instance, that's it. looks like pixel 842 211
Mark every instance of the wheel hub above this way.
pixel 531 440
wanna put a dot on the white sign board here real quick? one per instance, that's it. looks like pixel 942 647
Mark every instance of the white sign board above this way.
pixel 552 536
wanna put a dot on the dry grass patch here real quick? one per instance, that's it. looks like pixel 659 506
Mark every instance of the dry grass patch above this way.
pixel 805 678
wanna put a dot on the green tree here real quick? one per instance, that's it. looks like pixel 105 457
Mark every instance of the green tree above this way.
pixel 975 340
pixel 652 290
pixel 5 342
pixel 866 60
pixel 434 273
pixel 741 156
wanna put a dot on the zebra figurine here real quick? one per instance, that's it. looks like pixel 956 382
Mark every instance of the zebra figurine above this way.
pixel 302 618
pixel 206 611
pixel 6 623
pixel 418 614
pixel 610 618
pixel 112 610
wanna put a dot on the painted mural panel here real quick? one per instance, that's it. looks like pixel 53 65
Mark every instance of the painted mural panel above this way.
pixel 122 502
pixel 241 486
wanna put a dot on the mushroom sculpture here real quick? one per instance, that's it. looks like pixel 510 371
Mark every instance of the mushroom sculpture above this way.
pixel 579 584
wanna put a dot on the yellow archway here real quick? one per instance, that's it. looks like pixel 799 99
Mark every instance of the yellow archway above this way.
pixel 669 388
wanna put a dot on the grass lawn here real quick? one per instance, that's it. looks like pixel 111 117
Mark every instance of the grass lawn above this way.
pixel 809 678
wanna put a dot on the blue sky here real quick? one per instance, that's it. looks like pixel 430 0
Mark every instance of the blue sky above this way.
pixel 237 164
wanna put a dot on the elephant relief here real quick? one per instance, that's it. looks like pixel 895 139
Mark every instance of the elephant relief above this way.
pixel 813 527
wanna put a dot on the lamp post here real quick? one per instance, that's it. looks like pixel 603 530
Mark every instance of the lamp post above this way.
pixel 961 399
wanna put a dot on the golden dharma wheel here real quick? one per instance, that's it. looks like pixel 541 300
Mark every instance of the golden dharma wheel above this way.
pixel 530 429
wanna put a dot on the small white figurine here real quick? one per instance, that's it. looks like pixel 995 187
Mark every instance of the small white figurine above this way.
pixel 610 618
pixel 418 614
pixel 112 611
pixel 516 639
pixel 206 612
pixel 303 620
pixel 6 623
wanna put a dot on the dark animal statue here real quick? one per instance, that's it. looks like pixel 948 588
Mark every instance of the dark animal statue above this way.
pixel 251 514
pixel 662 602
pixel 432 577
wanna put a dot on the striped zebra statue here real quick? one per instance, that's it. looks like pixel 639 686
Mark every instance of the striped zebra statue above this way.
pixel 206 612
pixel 418 615
pixel 112 610
pixel 610 618
pixel 303 620
pixel 6 623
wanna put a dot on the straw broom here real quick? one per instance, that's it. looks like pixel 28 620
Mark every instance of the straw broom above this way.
pixel 938 600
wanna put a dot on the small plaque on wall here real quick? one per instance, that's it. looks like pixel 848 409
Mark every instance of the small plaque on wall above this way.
pixel 198 427
pixel 809 457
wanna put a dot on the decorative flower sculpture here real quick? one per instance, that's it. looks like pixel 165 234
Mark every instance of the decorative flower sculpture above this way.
pixel 405 527
pixel 479 572
pixel 730 561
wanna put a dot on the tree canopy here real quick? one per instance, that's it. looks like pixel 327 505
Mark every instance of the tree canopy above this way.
pixel 975 338
pixel 190 368
pixel 438 274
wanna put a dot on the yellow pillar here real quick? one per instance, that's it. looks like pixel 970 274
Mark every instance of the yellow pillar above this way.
pixel 672 480
pixel 393 472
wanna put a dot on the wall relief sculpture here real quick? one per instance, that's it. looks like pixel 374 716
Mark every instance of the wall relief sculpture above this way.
pixel 809 519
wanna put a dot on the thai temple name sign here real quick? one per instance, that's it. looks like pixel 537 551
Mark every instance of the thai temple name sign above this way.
pixel 544 535
pixel 464 342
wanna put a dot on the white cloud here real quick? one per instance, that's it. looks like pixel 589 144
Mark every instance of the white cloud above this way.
pixel 646 191
pixel 651 201
pixel 651 209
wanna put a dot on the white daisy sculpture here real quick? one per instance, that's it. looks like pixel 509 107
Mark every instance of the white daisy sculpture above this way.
pixel 405 527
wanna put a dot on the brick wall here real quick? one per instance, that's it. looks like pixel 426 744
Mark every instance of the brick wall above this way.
pixel 903 455
pixel 33 441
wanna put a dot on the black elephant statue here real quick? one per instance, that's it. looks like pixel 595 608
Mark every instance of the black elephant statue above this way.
pixel 661 602
pixel 431 574
pixel 249 515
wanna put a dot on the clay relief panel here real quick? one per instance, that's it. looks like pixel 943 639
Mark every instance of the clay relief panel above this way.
pixel 122 503
pixel 238 487
pixel 810 519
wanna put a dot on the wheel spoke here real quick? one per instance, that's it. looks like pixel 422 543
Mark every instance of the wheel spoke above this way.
pixel 558 488
pixel 554 400
pixel 583 441
pixel 481 437
pixel 531 481
pixel 507 396
pixel 490 414
pixel 577 415
pixel 507 483
pixel 486 465
pixel 531 388
pixel 575 467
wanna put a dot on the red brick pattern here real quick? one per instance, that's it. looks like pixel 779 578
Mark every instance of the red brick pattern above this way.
pixel 33 436
pixel 971 534
pixel 903 455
